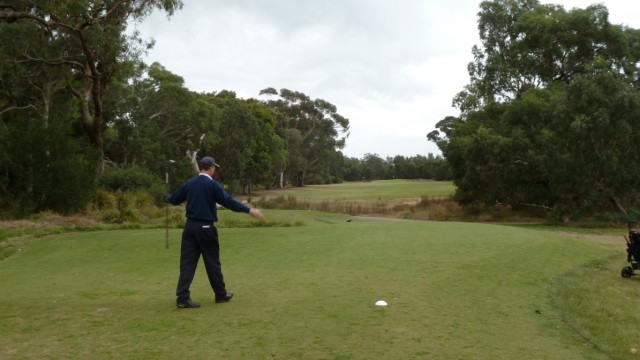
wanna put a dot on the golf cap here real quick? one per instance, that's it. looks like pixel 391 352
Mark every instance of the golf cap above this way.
pixel 207 162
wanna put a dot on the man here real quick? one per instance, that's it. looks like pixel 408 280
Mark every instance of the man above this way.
pixel 200 235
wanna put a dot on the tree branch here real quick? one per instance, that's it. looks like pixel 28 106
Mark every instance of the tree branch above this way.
pixel 527 204
pixel 19 108
pixel 114 8
pixel 58 61
pixel 13 16
pixel 616 202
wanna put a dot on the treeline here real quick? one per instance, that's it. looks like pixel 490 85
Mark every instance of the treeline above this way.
pixel 80 111
pixel 373 167
pixel 551 116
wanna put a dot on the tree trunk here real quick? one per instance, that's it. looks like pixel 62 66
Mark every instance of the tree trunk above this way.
pixel 192 156
pixel 281 180
pixel 616 202
pixel 91 121
pixel 247 188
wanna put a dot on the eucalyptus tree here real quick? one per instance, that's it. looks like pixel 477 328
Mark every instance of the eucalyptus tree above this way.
pixel 314 131
pixel 87 39
pixel 374 167
pixel 351 169
pixel 246 142
pixel 44 164
pixel 165 127
pixel 268 151
pixel 548 117
pixel 419 167
pixel 233 148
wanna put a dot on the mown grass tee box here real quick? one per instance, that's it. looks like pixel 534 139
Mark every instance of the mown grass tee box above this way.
pixel 454 290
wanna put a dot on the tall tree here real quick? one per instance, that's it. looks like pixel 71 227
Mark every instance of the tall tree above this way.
pixel 236 143
pixel 315 130
pixel 269 153
pixel 88 39
pixel 166 125
pixel 549 114
pixel 44 162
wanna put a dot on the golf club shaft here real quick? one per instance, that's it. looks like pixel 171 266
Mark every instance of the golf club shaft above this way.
pixel 166 226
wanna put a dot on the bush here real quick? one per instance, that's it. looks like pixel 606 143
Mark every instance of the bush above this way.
pixel 13 209
pixel 103 200
pixel 175 219
pixel 143 201
pixel 133 178
pixel 125 211
pixel 126 215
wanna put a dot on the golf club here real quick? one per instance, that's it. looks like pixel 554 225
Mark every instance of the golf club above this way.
pixel 166 210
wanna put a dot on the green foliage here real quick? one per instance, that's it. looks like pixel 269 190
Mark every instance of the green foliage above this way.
pixel 71 184
pixel 103 200
pixel 317 178
pixel 56 76
pixel 127 210
pixel 164 120
pixel 238 129
pixel 80 111
pixel 373 167
pixel 175 219
pixel 83 45
pixel 133 178
pixel 550 116
pixel 128 194
pixel 44 165
pixel 314 132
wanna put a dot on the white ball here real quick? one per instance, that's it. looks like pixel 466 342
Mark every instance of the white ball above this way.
pixel 381 303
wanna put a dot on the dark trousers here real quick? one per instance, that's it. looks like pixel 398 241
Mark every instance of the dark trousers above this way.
pixel 199 238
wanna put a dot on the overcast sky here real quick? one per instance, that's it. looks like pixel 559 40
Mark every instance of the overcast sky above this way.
pixel 391 67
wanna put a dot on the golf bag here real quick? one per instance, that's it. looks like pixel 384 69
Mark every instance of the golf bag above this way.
pixel 633 253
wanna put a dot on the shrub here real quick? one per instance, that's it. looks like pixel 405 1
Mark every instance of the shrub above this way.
pixel 175 219
pixel 103 200
pixel 142 201
pixel 133 178
pixel 125 211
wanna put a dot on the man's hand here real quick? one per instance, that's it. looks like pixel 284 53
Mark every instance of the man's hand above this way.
pixel 256 213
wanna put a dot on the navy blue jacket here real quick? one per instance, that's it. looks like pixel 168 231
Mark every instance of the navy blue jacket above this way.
pixel 202 194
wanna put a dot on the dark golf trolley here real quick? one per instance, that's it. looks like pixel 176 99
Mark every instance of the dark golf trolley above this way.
pixel 633 253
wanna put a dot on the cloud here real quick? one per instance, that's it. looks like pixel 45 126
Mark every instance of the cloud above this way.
pixel 391 67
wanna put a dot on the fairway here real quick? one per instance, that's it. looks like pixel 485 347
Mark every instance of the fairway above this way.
pixel 371 190
pixel 455 291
